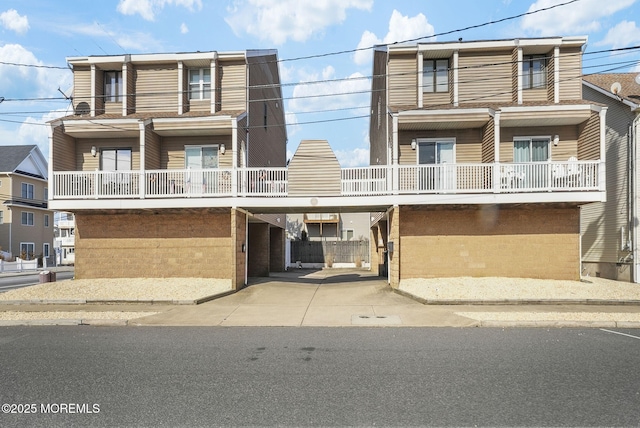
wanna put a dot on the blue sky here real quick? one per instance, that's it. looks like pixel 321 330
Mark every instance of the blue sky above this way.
pixel 45 32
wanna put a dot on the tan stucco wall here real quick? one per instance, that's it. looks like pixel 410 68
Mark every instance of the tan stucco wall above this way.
pixel 526 241
pixel 190 243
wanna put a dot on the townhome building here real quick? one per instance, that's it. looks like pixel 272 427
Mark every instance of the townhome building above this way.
pixel 26 222
pixel 610 229
pixel 149 164
pixel 493 151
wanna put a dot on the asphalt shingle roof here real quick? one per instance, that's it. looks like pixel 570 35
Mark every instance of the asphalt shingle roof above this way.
pixel 12 156
pixel 630 90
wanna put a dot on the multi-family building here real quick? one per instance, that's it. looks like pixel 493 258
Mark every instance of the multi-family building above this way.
pixel 26 222
pixel 493 150
pixel 610 229
pixel 64 246
pixel 148 163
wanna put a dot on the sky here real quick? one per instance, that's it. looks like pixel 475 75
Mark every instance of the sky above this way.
pixel 322 45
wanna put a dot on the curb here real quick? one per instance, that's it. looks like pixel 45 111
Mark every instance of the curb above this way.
pixel 45 322
pixel 115 301
pixel 560 324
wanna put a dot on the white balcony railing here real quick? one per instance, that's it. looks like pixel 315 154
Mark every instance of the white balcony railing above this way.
pixel 362 181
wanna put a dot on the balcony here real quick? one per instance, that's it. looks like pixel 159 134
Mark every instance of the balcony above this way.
pixel 442 179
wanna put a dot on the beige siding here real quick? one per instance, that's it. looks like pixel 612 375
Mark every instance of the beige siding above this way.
pixel 378 119
pixel 570 74
pixel 468 144
pixel 514 75
pixel 566 148
pixel 81 88
pixel 403 80
pixel 314 159
pixel 601 223
pixel 233 83
pixel 151 149
pixel 86 162
pixel 485 77
pixel 172 154
pixel 113 108
pixel 64 151
pixel 551 66
pixel 131 88
pixel 529 95
pixel 100 103
pixel 156 88
pixel 589 141
pixel 436 99
pixel 267 135
pixel 488 143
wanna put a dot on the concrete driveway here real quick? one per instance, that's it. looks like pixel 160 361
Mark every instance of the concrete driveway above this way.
pixel 328 297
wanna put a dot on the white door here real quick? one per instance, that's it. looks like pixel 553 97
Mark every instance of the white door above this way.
pixel 198 159
pixel 441 175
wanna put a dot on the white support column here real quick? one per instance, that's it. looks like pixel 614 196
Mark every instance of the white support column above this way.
pixel 420 79
pixel 556 74
pixel 52 189
pixel 213 86
pixel 602 173
pixel 394 156
pixel 93 90
pixel 125 98
pixel 635 235
pixel 496 152
pixel 141 173
pixel 455 78
pixel 234 157
pixel 180 87
pixel 519 75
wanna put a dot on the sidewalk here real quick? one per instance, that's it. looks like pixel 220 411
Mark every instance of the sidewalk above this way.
pixel 332 298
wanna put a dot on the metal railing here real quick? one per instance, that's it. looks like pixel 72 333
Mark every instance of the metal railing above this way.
pixel 362 181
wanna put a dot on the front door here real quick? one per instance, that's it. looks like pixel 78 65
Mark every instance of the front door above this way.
pixel 197 159
pixel 440 156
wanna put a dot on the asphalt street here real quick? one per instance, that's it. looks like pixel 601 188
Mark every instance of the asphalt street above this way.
pixel 84 376
pixel 17 281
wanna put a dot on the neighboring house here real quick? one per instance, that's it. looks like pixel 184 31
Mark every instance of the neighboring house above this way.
pixel 26 223
pixel 148 164
pixel 64 242
pixel 499 149
pixel 610 229
pixel 329 226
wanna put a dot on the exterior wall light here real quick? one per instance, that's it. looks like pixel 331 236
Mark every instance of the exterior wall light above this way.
pixel 556 140
pixel 222 149
pixel 94 151
pixel 413 144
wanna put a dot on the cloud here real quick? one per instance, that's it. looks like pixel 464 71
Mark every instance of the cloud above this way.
pixel 184 29
pixel 130 41
pixel 322 91
pixel 34 130
pixel 11 20
pixel 622 35
pixel 292 124
pixel 353 158
pixel 400 28
pixel 576 18
pixel 148 9
pixel 280 20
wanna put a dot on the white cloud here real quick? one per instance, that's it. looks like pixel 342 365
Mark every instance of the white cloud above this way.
pixel 400 28
pixel 353 158
pixel 329 92
pixel 34 131
pixel 148 9
pixel 292 124
pixel 130 41
pixel 184 29
pixel 11 20
pixel 622 35
pixel 280 20
pixel 576 18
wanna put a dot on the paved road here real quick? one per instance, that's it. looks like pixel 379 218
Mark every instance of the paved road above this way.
pixel 320 376
pixel 10 282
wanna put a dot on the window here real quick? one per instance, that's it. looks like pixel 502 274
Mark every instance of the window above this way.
pixel 347 234
pixel 200 84
pixel 27 218
pixel 1 217
pixel 116 159
pixel 46 193
pixel 531 149
pixel 201 157
pixel 113 86
pixel 435 75
pixel 46 220
pixel 534 72
pixel 45 250
pixel 27 250
pixel 27 191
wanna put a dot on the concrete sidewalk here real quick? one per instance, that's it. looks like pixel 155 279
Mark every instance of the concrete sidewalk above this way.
pixel 326 298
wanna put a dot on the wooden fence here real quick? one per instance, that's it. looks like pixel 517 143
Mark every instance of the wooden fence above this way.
pixel 330 252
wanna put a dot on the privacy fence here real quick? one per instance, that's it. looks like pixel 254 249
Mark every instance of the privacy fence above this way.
pixel 330 252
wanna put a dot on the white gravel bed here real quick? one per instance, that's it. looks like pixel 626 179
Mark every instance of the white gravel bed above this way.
pixel 122 289
pixel 552 316
pixel 466 288
pixel 72 315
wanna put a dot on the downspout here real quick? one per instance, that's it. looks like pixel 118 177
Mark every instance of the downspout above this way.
pixel 634 194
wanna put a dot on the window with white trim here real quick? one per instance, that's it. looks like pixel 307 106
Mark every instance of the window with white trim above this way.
pixel 46 220
pixel 27 191
pixel 347 234
pixel 200 84
pixel 113 86
pixel 45 250
pixel 46 194
pixel 27 218
pixel 535 149
pixel 27 250
pixel 435 75
pixel 534 72
pixel 1 217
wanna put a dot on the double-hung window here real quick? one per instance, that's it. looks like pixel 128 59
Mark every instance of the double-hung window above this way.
pixel 435 75
pixel 27 218
pixel 27 191
pixel 200 84
pixel 113 86
pixel 534 72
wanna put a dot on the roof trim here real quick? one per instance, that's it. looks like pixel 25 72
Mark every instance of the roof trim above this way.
pixel 611 95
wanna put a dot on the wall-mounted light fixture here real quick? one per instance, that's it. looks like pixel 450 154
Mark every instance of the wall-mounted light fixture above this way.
pixel 556 140
pixel 94 151
pixel 222 149
pixel 243 247
pixel 413 144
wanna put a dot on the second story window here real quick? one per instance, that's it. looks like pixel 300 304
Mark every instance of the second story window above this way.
pixel 435 75
pixel 534 72
pixel 27 191
pixel 113 86
pixel 200 84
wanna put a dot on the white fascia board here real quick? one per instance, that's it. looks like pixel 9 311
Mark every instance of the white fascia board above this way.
pixel 261 52
pixel 107 122
pixel 457 111
pixel 631 104
pixel 174 57
pixel 88 60
pixel 205 119
pixel 232 55
pixel 550 108
pixel 574 40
